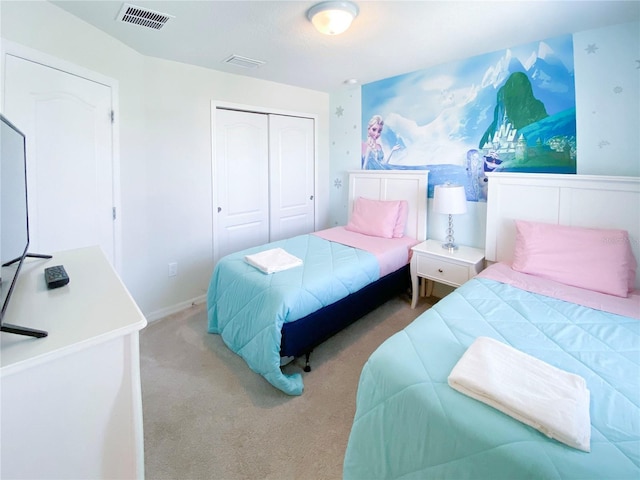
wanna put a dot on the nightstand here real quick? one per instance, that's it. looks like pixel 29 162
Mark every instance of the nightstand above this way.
pixel 429 260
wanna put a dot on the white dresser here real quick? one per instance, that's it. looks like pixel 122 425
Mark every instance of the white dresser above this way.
pixel 71 402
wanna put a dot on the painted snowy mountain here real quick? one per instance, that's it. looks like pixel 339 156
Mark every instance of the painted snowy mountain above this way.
pixel 465 121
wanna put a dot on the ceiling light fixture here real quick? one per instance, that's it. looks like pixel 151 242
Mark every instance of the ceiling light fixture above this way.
pixel 332 18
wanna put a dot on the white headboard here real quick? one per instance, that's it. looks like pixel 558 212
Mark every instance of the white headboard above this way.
pixel 409 185
pixel 576 200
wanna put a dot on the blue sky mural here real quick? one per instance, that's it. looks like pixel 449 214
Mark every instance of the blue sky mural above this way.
pixel 511 110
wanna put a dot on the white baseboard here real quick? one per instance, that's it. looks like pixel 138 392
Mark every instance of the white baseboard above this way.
pixel 163 312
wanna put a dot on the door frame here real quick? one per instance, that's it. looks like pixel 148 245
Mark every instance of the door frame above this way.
pixel 215 104
pixel 9 48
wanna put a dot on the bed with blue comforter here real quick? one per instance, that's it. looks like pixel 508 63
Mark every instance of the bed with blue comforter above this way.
pixel 248 308
pixel 410 424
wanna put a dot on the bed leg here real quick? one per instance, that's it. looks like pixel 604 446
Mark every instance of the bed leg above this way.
pixel 307 366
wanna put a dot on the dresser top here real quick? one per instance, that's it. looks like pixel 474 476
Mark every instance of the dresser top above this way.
pixel 93 307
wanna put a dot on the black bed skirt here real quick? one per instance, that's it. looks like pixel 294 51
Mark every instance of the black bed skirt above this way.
pixel 301 336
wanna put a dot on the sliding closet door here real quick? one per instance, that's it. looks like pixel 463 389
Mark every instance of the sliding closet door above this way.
pixel 264 178
pixel 241 171
pixel 291 176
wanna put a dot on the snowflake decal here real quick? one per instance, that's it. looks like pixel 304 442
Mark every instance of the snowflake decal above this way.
pixel 591 48
pixel 603 143
pixel 617 90
pixel 337 183
pixel 339 111
pixel 638 62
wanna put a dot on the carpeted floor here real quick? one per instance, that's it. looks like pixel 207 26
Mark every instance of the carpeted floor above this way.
pixel 208 416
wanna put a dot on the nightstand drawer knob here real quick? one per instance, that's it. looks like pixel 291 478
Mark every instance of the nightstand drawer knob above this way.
pixel 440 270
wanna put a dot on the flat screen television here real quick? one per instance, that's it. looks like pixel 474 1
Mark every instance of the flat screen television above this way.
pixel 14 219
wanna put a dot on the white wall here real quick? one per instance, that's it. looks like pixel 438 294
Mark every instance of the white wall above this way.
pixel 607 120
pixel 165 147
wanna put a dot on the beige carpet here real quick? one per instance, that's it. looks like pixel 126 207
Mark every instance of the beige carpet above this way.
pixel 208 416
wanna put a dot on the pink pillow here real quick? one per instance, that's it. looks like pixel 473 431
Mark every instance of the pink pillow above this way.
pixel 401 222
pixel 374 217
pixel 594 259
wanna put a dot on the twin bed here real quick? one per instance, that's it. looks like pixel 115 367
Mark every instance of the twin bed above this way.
pixel 344 275
pixel 411 423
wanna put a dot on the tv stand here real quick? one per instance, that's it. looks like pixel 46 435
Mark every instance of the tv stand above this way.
pixel 30 332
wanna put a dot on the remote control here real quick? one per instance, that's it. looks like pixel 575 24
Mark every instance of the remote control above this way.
pixel 56 276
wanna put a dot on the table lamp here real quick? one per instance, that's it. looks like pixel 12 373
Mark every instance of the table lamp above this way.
pixel 450 200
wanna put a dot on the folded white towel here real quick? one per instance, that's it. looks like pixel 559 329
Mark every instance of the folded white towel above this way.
pixel 540 395
pixel 272 261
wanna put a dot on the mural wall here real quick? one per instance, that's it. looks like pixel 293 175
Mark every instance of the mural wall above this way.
pixel 510 110
pixel 607 95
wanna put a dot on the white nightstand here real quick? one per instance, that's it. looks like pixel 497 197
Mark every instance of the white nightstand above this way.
pixel 429 260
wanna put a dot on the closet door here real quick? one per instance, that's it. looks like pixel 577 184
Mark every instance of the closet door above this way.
pixel 241 172
pixel 291 176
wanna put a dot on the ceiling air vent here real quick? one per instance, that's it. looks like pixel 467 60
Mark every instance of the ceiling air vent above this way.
pixel 243 61
pixel 143 16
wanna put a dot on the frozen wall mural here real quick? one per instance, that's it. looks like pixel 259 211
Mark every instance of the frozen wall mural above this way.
pixel 511 110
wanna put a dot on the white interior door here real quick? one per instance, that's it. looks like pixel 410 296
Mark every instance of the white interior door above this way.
pixel 292 176
pixel 67 121
pixel 241 173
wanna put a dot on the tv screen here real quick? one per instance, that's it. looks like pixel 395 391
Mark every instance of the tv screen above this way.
pixel 14 220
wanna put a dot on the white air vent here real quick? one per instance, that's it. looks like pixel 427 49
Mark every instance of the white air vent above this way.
pixel 243 61
pixel 143 17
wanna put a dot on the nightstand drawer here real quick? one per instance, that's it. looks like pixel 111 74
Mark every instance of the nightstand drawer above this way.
pixel 443 271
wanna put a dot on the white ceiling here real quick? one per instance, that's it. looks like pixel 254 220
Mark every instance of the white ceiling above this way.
pixel 387 38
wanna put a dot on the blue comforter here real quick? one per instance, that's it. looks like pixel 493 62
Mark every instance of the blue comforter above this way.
pixel 410 424
pixel 248 308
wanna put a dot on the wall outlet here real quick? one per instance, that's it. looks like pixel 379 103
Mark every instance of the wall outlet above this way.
pixel 173 269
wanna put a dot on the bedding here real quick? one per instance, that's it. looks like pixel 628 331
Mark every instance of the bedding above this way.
pixel 525 388
pixel 626 306
pixel 410 423
pixel 401 222
pixel 592 258
pixel 390 253
pixel 248 308
pixel 273 260
pixel 378 218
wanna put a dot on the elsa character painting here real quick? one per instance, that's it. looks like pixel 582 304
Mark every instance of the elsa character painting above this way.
pixel 373 157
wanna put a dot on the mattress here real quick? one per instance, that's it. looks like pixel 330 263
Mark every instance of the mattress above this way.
pixel 410 423
pixel 248 308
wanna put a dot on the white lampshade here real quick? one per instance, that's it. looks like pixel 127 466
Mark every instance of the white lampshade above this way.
pixel 449 199
pixel 332 18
